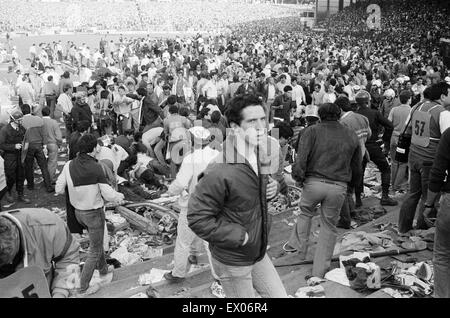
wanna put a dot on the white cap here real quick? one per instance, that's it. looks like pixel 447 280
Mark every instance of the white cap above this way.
pixel 447 79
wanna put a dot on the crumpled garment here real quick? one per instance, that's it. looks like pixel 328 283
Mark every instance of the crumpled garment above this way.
pixel 310 292
pixel 362 241
pixel 124 257
pixel 362 275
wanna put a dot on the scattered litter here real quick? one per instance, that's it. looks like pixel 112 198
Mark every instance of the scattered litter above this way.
pixel 395 293
pixel 124 257
pixel 310 292
pixel 313 281
pixel 155 275
pixel 338 275
pixel 217 290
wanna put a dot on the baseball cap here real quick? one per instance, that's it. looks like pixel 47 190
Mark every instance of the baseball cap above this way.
pixel 447 79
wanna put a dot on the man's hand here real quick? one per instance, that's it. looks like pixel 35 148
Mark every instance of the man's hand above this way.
pixel 272 188
pixel 426 216
pixel 18 146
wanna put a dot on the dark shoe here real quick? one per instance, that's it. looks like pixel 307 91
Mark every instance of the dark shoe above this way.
pixel 192 259
pixel 173 279
pixel 22 199
pixel 343 225
pixel 51 190
pixel 9 197
pixel 386 200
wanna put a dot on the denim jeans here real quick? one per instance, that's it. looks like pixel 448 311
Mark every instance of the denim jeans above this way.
pixel 331 196
pixel 239 281
pixel 52 161
pixel 94 221
pixel 187 243
pixel 419 171
pixel 441 253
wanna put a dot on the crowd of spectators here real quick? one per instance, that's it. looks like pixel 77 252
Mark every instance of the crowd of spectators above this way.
pixel 155 16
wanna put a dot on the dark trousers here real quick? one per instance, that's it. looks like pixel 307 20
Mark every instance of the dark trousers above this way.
pixel 419 170
pixel 36 152
pixel 51 103
pixel 14 172
pixel 378 158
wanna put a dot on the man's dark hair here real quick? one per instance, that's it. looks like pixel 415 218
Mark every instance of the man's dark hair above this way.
pixel 49 78
pixel 66 74
pixel 284 130
pixel 129 132
pixel 83 125
pixel 404 96
pixel 184 111
pixel 173 109
pixel 329 112
pixel 343 103
pixel 235 106
pixel 66 88
pixel 26 109
pixel 287 88
pixel 171 100
pixel 45 111
pixel 141 91
pixel 215 117
pixel 87 143
pixel 436 90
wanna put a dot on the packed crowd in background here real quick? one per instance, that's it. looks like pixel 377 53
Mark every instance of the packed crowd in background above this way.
pixel 146 95
pixel 22 16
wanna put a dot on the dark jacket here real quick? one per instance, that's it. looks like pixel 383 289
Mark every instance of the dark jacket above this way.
pixel 438 173
pixel 150 109
pixel 81 112
pixel 328 150
pixel 220 212
pixel 9 137
pixel 287 104
pixel 376 122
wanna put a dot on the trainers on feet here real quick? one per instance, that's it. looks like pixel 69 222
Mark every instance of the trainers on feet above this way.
pixel 288 249
pixel 173 279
